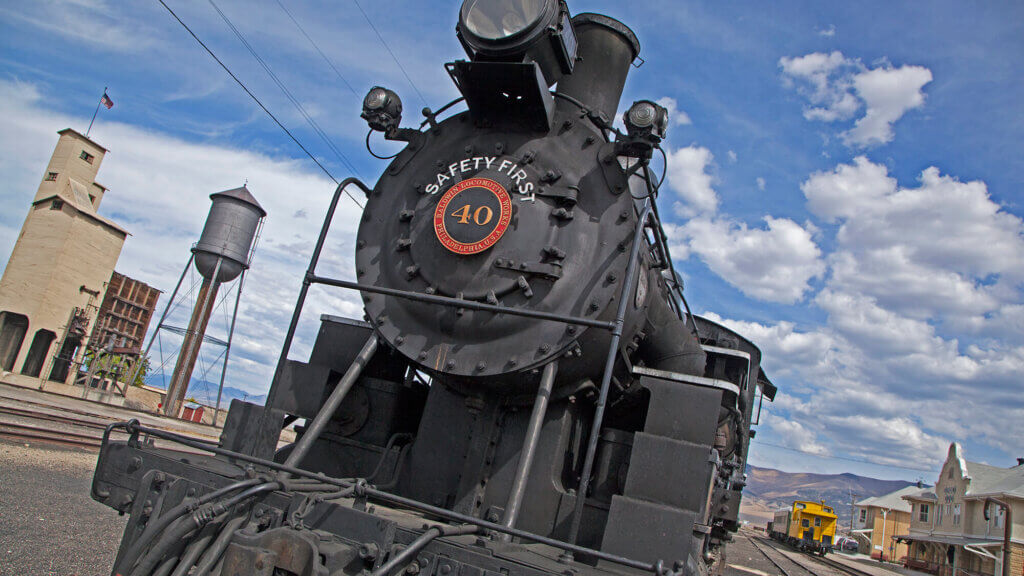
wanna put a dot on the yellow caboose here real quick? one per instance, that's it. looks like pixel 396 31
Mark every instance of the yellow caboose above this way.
pixel 806 525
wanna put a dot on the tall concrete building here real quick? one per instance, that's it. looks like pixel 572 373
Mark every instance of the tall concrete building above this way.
pixel 51 288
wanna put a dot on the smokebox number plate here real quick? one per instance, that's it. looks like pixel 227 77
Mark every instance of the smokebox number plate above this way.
pixel 472 216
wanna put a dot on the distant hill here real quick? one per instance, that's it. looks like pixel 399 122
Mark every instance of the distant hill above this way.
pixel 768 490
pixel 205 392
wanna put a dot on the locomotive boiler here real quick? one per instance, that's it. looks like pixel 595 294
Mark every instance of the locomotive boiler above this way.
pixel 527 393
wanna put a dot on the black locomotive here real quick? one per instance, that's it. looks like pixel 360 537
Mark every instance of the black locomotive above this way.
pixel 527 393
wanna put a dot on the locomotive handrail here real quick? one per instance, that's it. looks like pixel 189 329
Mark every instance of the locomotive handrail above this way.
pixel 467 304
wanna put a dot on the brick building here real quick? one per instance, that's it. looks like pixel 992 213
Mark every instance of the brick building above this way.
pixel 124 315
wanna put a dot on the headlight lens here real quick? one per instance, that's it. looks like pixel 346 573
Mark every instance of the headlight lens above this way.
pixel 498 19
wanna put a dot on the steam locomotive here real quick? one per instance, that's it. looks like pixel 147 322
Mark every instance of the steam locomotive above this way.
pixel 527 394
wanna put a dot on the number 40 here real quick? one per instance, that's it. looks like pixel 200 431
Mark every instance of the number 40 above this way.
pixel 481 216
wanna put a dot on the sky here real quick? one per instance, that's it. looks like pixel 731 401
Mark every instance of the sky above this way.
pixel 844 183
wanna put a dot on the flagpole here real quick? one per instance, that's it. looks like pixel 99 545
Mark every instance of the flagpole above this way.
pixel 96 112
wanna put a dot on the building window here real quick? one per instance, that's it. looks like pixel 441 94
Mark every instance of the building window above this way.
pixel 51 177
pixel 57 204
pixel 863 515
pixel 923 514
pixel 999 517
pixel 86 156
pixel 938 513
pixel 817 521
pixel 806 523
pixel 92 199
pixel 956 515
pixel 950 473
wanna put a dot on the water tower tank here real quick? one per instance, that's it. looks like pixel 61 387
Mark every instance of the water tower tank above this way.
pixel 228 234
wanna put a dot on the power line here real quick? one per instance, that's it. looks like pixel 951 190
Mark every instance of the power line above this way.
pixel 317 48
pixel 763 443
pixel 284 89
pixel 388 48
pixel 255 99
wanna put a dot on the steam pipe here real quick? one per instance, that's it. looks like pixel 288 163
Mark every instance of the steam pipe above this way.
pixel 414 547
pixel 540 408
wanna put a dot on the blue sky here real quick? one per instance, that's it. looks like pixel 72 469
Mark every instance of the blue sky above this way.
pixel 844 186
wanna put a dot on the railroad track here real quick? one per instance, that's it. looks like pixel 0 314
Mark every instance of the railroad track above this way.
pixel 786 565
pixel 42 423
pixel 804 564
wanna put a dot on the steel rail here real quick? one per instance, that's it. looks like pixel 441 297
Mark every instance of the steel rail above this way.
pixel 769 557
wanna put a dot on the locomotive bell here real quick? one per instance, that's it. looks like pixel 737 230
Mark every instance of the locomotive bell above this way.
pixel 228 234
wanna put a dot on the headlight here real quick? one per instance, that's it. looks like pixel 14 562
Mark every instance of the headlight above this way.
pixel 498 19
pixel 519 31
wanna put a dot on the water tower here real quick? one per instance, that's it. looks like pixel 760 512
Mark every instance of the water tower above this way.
pixel 221 254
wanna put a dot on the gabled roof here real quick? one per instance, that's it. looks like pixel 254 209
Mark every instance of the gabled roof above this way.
pixel 991 480
pixel 894 500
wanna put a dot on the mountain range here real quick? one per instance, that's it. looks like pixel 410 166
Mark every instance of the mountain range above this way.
pixel 768 490
pixel 205 392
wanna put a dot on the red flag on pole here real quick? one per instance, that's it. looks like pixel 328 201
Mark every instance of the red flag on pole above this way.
pixel 106 101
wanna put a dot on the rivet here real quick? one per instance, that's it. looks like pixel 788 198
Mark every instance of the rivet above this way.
pixel 512 361
pixel 399 340
pixel 499 147
pixel 360 272
pixel 611 278
pixel 571 329
pixel 480 366
pixel 468 149
pixel 422 355
pixel 544 349
pixel 430 290
pixel 593 306
pixel 450 364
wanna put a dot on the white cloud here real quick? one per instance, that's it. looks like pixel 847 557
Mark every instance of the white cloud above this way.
pixel 824 80
pixel 827 32
pixel 942 249
pixel 837 87
pixel 775 263
pixel 732 156
pixel 888 93
pixel 794 435
pixel 760 183
pixel 688 177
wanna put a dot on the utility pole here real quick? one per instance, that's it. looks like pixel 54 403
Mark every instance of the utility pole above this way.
pixel 853 498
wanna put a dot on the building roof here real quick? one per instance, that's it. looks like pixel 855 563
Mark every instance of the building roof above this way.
pixel 76 194
pixel 82 136
pixel 894 500
pixel 991 480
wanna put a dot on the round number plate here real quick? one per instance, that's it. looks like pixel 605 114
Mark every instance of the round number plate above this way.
pixel 472 216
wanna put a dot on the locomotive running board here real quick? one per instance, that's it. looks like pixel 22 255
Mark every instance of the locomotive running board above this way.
pixel 687 379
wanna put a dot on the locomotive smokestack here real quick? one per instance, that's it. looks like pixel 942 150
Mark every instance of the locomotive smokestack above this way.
pixel 606 50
